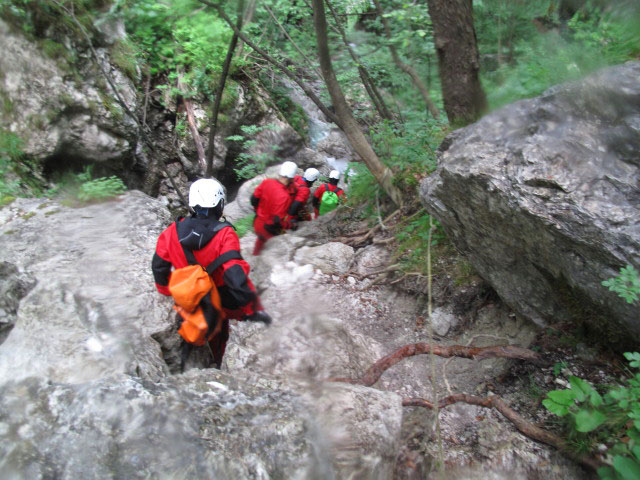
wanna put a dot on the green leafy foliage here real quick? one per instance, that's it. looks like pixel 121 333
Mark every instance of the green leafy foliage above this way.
pixel 626 285
pixel 178 38
pixel 75 189
pixel 17 177
pixel 249 165
pixel 528 48
pixel 101 188
pixel 612 418
pixel 413 241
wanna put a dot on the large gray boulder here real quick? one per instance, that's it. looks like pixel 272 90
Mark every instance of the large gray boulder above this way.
pixel 543 197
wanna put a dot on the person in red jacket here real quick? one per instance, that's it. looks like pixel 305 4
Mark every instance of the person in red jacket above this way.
pixel 209 239
pixel 332 185
pixel 271 202
pixel 298 210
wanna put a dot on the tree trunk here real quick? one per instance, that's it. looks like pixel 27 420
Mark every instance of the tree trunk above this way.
pixel 343 112
pixel 408 69
pixel 213 126
pixel 455 39
pixel 193 127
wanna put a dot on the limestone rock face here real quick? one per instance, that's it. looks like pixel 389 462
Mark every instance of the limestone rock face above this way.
pixel 86 391
pixel 543 197
pixel 54 114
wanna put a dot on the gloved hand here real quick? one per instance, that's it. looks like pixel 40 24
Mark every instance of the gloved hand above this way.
pixel 293 224
pixel 259 316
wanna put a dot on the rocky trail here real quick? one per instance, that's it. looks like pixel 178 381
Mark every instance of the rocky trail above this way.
pixel 91 347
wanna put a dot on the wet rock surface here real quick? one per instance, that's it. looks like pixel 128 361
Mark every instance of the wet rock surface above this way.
pixel 542 197
pixel 87 392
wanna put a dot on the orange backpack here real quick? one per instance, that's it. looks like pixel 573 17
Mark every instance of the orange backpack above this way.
pixel 196 297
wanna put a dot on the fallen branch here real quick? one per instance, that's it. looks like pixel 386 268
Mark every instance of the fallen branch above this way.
pixel 526 428
pixel 373 373
pixel 408 274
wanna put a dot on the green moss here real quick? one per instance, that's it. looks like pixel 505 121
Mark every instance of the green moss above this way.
pixel 43 205
pixel 51 212
pixel 6 200
pixel 6 105
pixel 55 50
pixel 28 215
pixel 123 56
pixel 112 107
pixel 10 232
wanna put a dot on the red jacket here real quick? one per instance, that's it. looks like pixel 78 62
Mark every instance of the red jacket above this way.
pixel 317 195
pixel 304 192
pixel 237 292
pixel 273 200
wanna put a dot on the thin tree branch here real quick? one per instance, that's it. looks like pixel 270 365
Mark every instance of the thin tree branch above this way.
pixel 191 121
pixel 373 373
pixel 368 83
pixel 408 69
pixel 282 29
pixel 323 108
pixel 220 90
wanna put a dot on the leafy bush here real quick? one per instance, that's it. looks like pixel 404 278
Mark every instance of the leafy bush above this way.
pixel 612 418
pixel 17 176
pixel 101 188
pixel 249 165
pixel 595 37
pixel 626 285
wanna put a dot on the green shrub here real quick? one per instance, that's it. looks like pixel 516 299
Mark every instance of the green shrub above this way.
pixel 626 285
pixel 612 418
pixel 123 55
pixel 17 172
pixel 248 165
pixel 101 188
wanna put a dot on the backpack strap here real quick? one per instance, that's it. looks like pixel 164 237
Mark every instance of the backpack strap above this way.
pixel 222 259
pixel 230 255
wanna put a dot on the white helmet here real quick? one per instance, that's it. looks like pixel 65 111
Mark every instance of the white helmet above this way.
pixel 288 169
pixel 311 174
pixel 334 174
pixel 207 193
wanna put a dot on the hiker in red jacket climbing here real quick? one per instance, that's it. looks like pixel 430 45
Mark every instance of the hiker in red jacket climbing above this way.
pixel 271 202
pixel 205 239
pixel 298 209
pixel 328 195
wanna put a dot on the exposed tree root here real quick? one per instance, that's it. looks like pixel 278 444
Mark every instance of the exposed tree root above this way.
pixel 526 428
pixel 373 374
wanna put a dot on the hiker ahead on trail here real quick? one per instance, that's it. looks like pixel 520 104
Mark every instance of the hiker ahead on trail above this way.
pixel 328 195
pixel 298 209
pixel 203 240
pixel 271 202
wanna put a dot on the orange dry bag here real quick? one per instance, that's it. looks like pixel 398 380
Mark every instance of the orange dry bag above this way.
pixel 196 297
